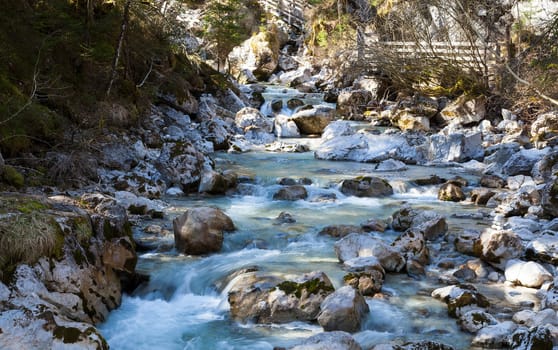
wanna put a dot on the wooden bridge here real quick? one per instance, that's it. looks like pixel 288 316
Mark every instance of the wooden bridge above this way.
pixel 290 11
pixel 480 58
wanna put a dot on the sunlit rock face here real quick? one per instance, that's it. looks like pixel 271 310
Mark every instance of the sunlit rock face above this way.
pixel 526 273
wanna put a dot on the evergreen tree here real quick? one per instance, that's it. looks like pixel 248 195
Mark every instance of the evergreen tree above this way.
pixel 223 28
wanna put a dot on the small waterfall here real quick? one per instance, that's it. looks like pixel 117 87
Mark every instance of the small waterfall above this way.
pixel 281 100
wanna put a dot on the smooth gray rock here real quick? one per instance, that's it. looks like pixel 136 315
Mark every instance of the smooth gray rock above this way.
pixel 343 310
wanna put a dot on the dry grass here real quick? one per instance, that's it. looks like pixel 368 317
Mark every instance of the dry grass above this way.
pixel 24 238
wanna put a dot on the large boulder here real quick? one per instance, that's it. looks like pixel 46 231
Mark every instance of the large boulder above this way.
pixel 544 169
pixel 358 245
pixel 343 310
pixel 352 104
pixel 464 110
pixel 431 224
pixel 412 245
pixel 264 299
pixel 366 186
pixel 522 162
pixel 200 230
pixel 216 183
pixel 455 147
pixel 538 337
pixel 249 117
pixel 544 130
pixel 526 273
pixel 313 120
pixel 451 191
pixel 496 247
pixel 337 340
pixel 362 147
pixel 285 127
pixel 67 270
pixel 291 193
pixel 407 121
pixel 495 336
pixel 543 248
pixel 181 164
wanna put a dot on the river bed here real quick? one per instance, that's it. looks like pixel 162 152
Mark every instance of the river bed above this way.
pixel 184 306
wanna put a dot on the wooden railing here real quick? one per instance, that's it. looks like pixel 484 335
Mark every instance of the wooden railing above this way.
pixel 479 57
pixel 290 11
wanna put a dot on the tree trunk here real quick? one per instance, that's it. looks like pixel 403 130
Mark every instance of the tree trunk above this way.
pixel 123 27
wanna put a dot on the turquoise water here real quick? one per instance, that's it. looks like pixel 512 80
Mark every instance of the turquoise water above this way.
pixel 185 306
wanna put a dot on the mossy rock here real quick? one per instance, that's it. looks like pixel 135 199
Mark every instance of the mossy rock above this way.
pixel 313 286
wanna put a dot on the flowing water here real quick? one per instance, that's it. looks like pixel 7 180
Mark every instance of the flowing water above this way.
pixel 184 306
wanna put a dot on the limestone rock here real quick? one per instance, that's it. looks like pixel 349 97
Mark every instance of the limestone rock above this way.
pixel 249 117
pixel 538 337
pixel 269 300
pixel 358 245
pixel 285 127
pixel 460 298
pixel 407 121
pixel 343 310
pixel 481 196
pixel 313 120
pixel 530 318
pixel 180 164
pixel 544 129
pixel 391 165
pixel 362 147
pixel 464 110
pixel 216 131
pixel 450 191
pixel 497 247
pixel 544 169
pixel 367 283
pixel 352 104
pixel 455 147
pixel 522 162
pixel 337 340
pixel 465 241
pixel 412 245
pixel 337 128
pixel 213 182
pixel 492 181
pixel 200 230
pixel 431 224
pixel 527 274
pixel 291 193
pixel 367 186
pixel 543 248
pixel 474 320
pixel 495 336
